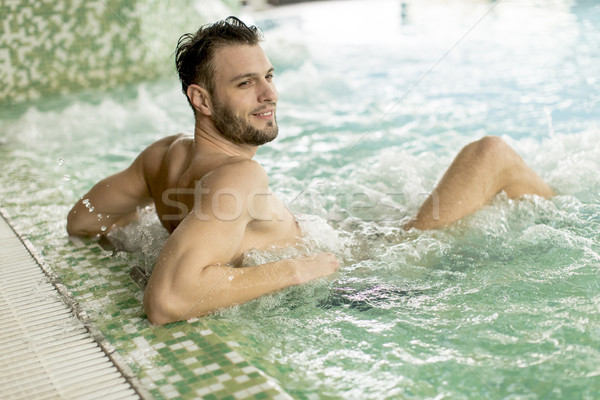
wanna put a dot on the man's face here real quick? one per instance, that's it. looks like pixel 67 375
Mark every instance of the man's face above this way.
pixel 245 98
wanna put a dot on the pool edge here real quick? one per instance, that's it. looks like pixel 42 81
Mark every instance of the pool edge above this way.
pixel 75 312
pixel 265 383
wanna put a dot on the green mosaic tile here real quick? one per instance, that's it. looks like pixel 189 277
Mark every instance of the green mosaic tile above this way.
pixel 49 47
pixel 184 360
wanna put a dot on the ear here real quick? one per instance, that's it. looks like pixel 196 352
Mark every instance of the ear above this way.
pixel 200 99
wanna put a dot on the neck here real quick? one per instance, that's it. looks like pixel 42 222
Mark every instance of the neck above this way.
pixel 209 136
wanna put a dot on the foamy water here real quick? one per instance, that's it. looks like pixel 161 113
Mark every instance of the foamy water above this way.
pixel 504 303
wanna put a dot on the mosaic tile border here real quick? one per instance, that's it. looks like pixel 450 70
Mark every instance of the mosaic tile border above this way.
pixel 42 339
pixel 185 360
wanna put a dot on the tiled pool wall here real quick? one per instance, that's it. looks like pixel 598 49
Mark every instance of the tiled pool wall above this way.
pixel 185 360
pixel 48 47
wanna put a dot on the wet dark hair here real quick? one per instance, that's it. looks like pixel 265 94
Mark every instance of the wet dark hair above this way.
pixel 194 56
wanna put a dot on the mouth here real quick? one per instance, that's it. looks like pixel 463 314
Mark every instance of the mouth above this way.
pixel 265 114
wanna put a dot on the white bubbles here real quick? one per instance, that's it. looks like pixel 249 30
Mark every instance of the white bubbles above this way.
pixel 568 162
pixel 143 238
pixel 309 83
pixel 320 235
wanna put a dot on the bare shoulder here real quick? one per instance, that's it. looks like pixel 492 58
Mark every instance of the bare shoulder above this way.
pixel 240 174
pixel 152 157
pixel 162 146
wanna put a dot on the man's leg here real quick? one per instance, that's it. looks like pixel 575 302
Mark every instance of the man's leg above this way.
pixel 481 170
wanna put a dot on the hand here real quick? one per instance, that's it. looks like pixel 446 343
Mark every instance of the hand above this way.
pixel 317 266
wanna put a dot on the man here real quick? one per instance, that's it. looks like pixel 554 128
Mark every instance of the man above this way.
pixel 215 200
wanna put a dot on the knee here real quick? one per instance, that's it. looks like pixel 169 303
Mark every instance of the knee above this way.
pixel 490 148
pixel 491 144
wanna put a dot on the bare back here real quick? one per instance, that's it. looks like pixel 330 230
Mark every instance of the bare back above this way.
pixel 176 166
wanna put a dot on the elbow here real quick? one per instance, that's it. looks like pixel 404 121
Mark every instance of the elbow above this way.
pixel 161 309
pixel 155 312
pixel 74 226
pixel 81 224
pixel 157 318
pixel 164 306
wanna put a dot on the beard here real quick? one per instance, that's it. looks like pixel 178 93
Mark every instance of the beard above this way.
pixel 238 130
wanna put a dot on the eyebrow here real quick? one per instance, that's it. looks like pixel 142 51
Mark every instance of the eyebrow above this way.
pixel 250 75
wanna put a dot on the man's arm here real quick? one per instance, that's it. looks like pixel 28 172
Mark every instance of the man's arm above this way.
pixel 191 277
pixel 113 201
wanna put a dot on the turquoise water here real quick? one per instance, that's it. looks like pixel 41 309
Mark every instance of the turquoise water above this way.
pixel 504 304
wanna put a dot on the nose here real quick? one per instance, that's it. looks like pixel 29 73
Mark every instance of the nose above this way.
pixel 268 92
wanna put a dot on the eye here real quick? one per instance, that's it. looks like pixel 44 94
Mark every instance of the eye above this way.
pixel 244 83
pixel 269 77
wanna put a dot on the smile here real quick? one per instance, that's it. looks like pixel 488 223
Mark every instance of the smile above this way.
pixel 266 114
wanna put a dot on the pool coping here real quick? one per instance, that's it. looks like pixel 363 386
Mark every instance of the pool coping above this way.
pixel 257 383
pixel 76 311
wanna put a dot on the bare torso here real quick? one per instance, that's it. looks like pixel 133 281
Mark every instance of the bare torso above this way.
pixel 172 181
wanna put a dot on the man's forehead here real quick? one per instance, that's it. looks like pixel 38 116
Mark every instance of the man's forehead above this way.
pixel 231 61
